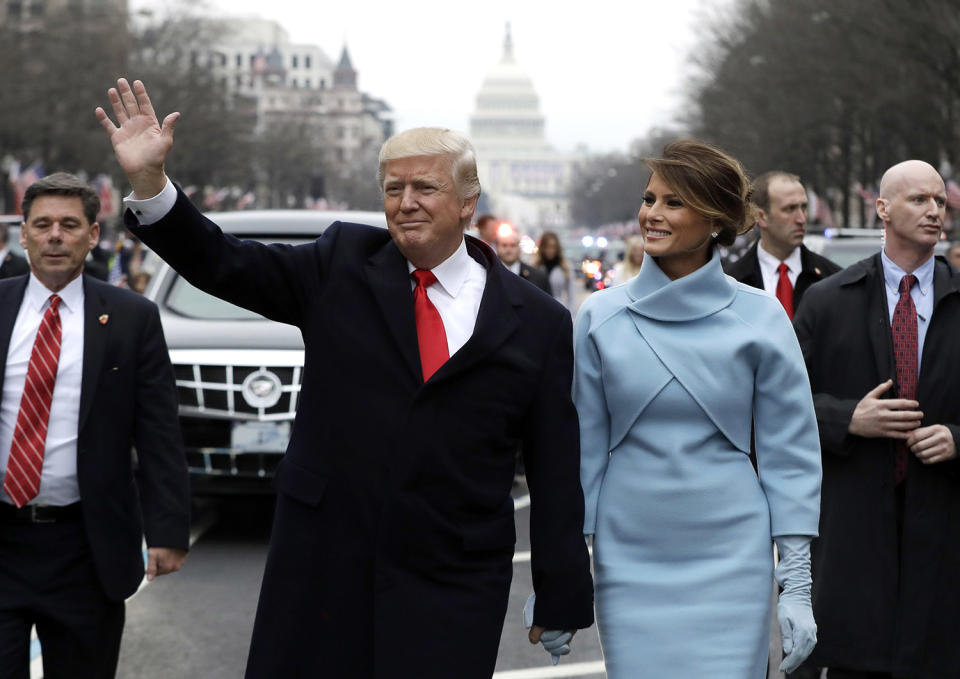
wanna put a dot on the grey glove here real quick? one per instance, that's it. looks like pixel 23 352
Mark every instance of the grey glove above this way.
pixel 555 642
pixel 795 612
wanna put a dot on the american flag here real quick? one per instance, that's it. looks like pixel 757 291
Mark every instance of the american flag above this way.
pixel 21 180
pixel 953 194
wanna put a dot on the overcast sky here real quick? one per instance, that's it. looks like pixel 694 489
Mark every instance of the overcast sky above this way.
pixel 606 71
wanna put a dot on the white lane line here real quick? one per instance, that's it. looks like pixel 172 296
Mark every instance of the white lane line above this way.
pixel 521 557
pixel 583 669
pixel 521 502
pixel 202 526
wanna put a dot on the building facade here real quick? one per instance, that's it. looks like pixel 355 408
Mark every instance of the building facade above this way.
pixel 525 180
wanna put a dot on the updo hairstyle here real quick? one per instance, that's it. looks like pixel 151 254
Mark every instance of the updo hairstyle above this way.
pixel 709 181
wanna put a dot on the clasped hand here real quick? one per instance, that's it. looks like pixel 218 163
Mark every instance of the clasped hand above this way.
pixel 900 418
pixel 555 642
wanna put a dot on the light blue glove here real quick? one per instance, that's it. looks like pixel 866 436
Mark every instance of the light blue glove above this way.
pixel 795 612
pixel 555 642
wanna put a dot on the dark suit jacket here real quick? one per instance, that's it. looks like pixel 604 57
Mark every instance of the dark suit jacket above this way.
pixel 535 276
pixel 391 549
pixel 127 399
pixel 813 268
pixel 881 606
pixel 13 265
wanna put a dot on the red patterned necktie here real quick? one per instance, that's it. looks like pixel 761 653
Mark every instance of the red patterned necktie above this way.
pixel 22 481
pixel 904 328
pixel 785 290
pixel 430 333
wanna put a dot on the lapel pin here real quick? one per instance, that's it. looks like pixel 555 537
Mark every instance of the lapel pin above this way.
pixel 104 318
pixel 816 270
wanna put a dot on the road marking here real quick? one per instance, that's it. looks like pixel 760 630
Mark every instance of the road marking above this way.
pixel 521 557
pixel 521 502
pixel 583 669
pixel 202 525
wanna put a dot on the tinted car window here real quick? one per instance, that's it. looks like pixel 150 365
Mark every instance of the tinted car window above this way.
pixel 186 300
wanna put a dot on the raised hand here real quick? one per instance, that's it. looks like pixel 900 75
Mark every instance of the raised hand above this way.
pixel 140 142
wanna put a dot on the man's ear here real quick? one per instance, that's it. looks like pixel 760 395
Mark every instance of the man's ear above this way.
pixel 761 216
pixel 883 209
pixel 469 207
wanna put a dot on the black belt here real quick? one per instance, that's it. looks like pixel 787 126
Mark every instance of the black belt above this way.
pixel 40 513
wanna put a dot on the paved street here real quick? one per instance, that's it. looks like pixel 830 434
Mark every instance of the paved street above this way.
pixel 197 623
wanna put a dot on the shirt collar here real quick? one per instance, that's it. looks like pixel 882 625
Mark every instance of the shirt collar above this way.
pixel 71 297
pixel 3 254
pixel 893 273
pixel 793 261
pixel 452 272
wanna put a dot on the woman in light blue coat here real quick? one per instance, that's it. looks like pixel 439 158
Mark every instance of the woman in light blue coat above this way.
pixel 672 370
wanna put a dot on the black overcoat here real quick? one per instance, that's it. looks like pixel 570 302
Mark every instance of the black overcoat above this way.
pixel 876 612
pixel 391 552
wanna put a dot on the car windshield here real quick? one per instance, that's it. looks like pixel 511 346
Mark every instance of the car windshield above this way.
pixel 185 299
pixel 192 302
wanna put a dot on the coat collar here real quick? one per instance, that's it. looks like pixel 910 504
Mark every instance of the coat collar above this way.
pixel 11 296
pixel 869 273
pixel 697 295
pixel 387 273
pixel 95 305
pixel 95 335
pixel 807 265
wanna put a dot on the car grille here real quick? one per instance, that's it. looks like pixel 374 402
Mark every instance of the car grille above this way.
pixel 212 403
pixel 216 391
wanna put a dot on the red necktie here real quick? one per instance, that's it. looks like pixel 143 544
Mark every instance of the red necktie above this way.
pixel 904 329
pixel 22 481
pixel 785 290
pixel 430 333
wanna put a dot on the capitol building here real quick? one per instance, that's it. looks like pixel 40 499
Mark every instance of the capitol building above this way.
pixel 524 179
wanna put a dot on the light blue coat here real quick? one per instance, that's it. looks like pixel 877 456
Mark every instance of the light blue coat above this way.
pixel 669 378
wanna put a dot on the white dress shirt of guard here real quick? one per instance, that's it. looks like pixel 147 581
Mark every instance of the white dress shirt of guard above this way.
pixel 58 480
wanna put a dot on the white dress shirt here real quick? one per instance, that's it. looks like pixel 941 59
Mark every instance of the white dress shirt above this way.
pixel 456 294
pixel 58 478
pixel 769 265
pixel 921 293
pixel 515 267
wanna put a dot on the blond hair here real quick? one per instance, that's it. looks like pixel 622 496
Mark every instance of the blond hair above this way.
pixel 435 141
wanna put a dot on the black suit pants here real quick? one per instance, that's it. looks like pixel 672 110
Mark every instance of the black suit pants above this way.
pixel 48 579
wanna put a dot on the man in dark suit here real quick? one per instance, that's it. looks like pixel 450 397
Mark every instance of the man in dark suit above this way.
pixel 508 250
pixel 486 228
pixel 879 340
pixel 779 262
pixel 10 264
pixel 427 364
pixel 86 379
pixel 953 255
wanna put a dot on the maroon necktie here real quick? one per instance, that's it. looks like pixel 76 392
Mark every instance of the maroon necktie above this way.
pixel 25 464
pixel 430 333
pixel 904 328
pixel 785 290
